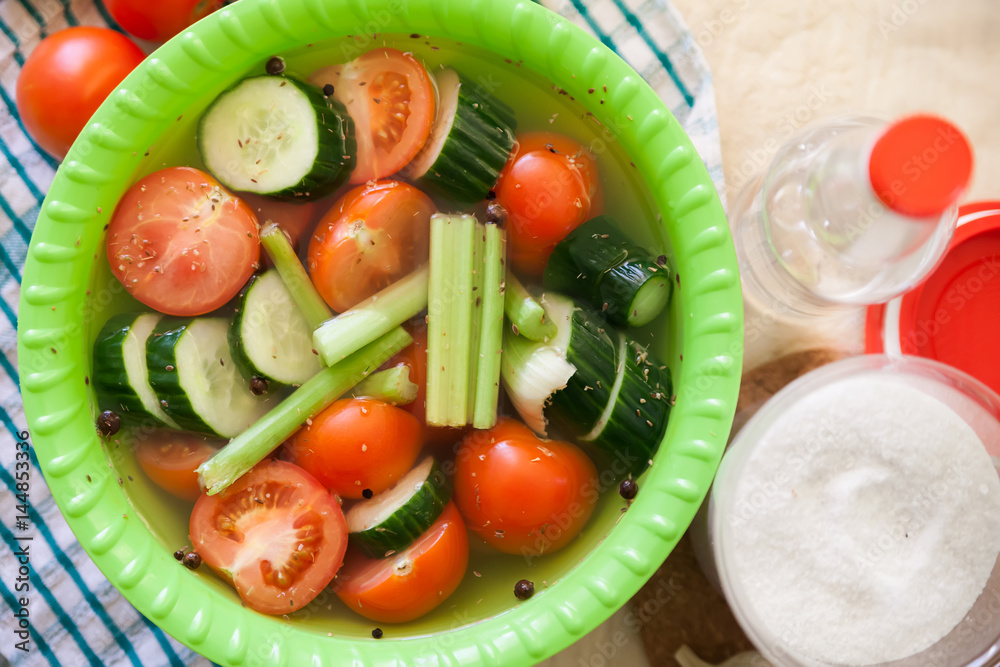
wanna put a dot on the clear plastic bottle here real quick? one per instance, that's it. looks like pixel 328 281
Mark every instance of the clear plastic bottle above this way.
pixel 849 213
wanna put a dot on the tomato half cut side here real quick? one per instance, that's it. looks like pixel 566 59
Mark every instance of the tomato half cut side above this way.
pixel 170 459
pixel 407 585
pixel 276 534
pixel 181 243
pixel 373 236
pixel 390 98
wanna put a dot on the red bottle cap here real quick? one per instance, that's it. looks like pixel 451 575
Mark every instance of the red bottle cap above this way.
pixel 954 315
pixel 920 166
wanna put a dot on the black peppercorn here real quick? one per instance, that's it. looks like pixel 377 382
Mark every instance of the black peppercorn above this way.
pixel 377 633
pixel 191 560
pixel 524 589
pixel 328 89
pixel 496 214
pixel 179 554
pixel 258 385
pixel 627 489
pixel 108 423
pixel 275 65
pixel 367 494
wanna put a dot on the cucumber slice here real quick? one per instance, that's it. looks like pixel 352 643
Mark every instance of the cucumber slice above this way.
pixel 198 384
pixel 472 136
pixel 593 383
pixel 600 265
pixel 120 376
pixel 392 520
pixel 277 136
pixel 269 336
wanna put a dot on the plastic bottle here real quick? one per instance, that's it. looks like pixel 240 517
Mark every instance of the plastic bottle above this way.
pixel 850 213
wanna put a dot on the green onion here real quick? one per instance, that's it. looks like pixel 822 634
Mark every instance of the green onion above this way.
pixel 526 315
pixel 487 384
pixel 293 274
pixel 251 446
pixel 376 315
pixel 392 385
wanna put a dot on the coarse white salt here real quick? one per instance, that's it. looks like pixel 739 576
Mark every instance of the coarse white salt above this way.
pixel 866 523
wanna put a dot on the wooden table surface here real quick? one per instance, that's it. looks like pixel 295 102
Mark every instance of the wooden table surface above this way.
pixel 779 65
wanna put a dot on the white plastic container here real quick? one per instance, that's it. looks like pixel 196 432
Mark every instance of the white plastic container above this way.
pixel 975 641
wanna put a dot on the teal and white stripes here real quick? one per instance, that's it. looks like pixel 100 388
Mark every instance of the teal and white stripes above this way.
pixel 78 618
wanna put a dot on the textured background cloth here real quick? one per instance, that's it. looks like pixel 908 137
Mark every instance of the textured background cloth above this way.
pixel 77 617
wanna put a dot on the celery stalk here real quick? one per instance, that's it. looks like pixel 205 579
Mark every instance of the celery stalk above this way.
pixel 294 275
pixel 459 347
pixel 247 449
pixel 478 274
pixel 526 315
pixel 487 384
pixel 392 385
pixel 374 316
pixel 437 320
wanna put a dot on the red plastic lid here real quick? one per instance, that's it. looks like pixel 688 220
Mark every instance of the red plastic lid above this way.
pixel 954 315
pixel 920 165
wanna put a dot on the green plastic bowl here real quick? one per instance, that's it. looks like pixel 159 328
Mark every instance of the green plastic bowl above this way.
pixel 122 522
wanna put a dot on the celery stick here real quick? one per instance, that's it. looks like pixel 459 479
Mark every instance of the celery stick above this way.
pixel 374 316
pixel 294 275
pixel 487 387
pixel 247 449
pixel 460 348
pixel 392 385
pixel 437 321
pixel 478 273
pixel 526 315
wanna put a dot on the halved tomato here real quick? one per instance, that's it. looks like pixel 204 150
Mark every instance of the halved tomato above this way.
pixel 181 243
pixel 170 459
pixel 374 235
pixel 275 534
pixel 411 583
pixel 390 98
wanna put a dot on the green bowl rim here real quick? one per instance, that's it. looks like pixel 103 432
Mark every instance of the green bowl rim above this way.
pixel 54 302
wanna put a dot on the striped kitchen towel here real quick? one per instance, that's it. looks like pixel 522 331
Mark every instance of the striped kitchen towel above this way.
pixel 77 617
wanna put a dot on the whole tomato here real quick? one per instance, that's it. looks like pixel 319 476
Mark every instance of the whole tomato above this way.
pixel 65 79
pixel 159 20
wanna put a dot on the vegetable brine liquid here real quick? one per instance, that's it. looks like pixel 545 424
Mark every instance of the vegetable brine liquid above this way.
pixel 486 589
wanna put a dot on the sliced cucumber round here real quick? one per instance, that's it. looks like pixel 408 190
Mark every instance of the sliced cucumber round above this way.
pixel 120 376
pixel 194 376
pixel 472 136
pixel 269 336
pixel 391 521
pixel 277 136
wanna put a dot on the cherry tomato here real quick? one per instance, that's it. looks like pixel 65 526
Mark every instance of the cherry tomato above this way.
pixel 374 235
pixel 159 20
pixel 181 243
pixel 520 494
pixel 548 186
pixel 411 583
pixel 357 444
pixel 65 79
pixel 295 217
pixel 276 534
pixel 414 355
pixel 390 98
pixel 170 458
